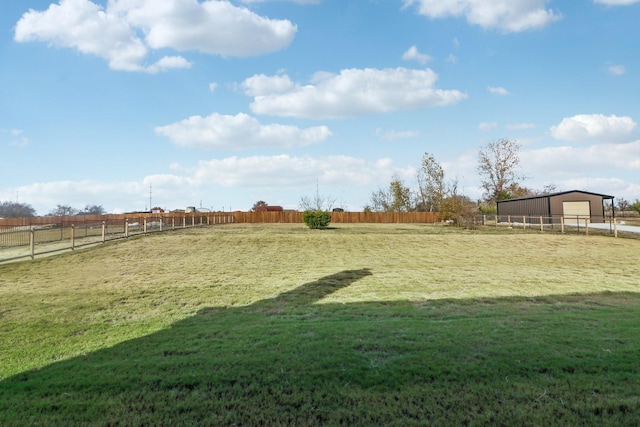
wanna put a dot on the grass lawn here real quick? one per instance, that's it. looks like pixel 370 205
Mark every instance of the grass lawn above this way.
pixel 356 325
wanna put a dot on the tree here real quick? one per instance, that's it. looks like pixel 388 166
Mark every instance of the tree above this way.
pixel 63 210
pixel 316 203
pixel 93 210
pixel 259 205
pixel 431 186
pixel 623 205
pixel 636 206
pixel 396 198
pixel 497 165
pixel 16 210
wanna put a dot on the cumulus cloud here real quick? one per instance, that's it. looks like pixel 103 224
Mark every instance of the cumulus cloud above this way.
pixel 412 54
pixel 505 15
pixel 590 127
pixel 239 131
pixel 115 32
pixel 352 92
pixel 498 90
pixel 575 160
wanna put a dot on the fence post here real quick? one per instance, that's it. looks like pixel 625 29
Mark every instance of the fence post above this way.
pixel 541 224
pixel 73 237
pixel 586 226
pixel 104 231
pixel 193 220
pixel 144 225
pixel 509 220
pixel 562 224
pixel 184 222
pixel 615 227
pixel 524 222
pixel 126 227
pixel 161 223
pixel 173 222
pixel 32 242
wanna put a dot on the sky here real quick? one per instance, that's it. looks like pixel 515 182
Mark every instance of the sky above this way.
pixel 132 104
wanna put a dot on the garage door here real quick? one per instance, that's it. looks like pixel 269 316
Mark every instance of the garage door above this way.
pixel 576 211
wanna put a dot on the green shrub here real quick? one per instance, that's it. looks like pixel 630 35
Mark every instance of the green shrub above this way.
pixel 318 220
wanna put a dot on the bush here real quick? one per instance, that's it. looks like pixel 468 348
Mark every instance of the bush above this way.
pixel 318 220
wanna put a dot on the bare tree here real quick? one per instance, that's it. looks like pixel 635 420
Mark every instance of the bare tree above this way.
pixel 431 186
pixel 497 164
pixel 316 203
pixel 93 210
pixel 63 210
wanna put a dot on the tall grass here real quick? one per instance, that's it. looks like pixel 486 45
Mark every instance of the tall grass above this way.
pixel 360 324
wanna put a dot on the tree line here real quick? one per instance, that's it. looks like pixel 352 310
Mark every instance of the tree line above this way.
pixel 498 164
pixel 22 210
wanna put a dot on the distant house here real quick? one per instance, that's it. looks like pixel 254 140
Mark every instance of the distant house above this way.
pixel 267 208
pixel 570 206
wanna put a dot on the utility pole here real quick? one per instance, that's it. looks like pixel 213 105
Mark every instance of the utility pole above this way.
pixel 150 205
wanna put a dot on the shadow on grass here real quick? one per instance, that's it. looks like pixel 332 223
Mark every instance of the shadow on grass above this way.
pixel 564 360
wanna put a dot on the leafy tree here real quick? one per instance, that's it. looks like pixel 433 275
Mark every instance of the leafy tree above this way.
pixel 258 206
pixel 497 165
pixel 318 220
pixel 16 210
pixel 396 198
pixel 457 208
pixel 636 206
pixel 431 185
pixel 63 210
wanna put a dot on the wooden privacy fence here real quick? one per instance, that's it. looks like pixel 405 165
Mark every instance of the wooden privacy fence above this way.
pixel 31 236
pixel 293 217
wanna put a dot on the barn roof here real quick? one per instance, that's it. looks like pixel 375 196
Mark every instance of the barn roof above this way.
pixel 604 196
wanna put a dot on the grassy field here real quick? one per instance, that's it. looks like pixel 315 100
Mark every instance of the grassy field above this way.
pixel 357 325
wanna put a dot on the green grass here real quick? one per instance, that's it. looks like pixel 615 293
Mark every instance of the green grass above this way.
pixel 357 325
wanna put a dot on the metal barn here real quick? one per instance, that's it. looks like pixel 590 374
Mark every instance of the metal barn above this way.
pixel 572 206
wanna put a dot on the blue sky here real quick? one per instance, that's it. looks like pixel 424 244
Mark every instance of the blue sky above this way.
pixel 222 103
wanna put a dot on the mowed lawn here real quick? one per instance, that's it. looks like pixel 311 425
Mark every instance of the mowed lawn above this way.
pixel 357 325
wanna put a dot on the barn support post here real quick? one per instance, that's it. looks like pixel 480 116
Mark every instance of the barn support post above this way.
pixel 32 243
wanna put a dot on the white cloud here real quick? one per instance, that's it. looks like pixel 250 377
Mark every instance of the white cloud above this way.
pixel 213 27
pixel 353 92
pixel 616 2
pixel 564 160
pixel 616 70
pixel 17 137
pixel 213 86
pixel 393 135
pixel 487 126
pixel 292 1
pixel 506 15
pixel 239 131
pixel 589 127
pixel 498 90
pixel 412 54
